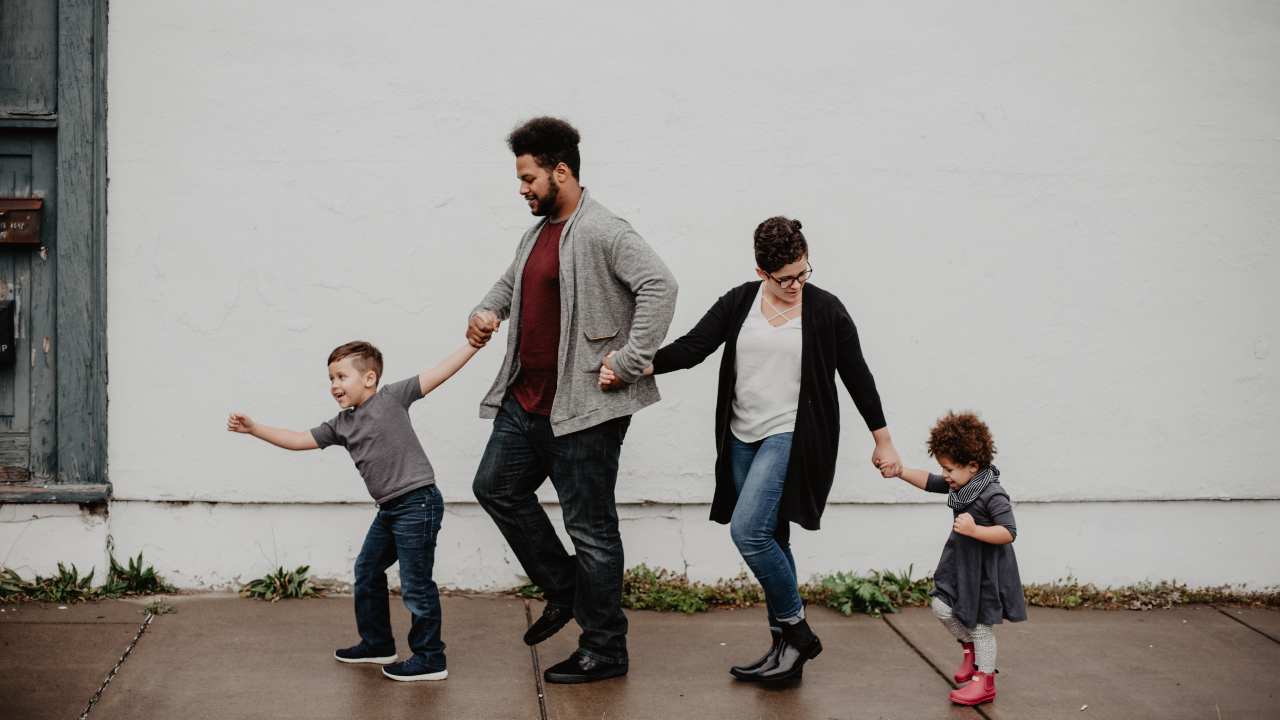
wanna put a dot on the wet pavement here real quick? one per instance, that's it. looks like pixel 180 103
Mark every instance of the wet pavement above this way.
pixel 219 656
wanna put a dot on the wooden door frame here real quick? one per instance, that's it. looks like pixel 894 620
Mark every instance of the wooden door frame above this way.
pixel 79 345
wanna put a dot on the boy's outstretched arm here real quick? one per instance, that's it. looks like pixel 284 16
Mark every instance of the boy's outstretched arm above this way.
pixel 915 476
pixel 431 379
pixel 287 439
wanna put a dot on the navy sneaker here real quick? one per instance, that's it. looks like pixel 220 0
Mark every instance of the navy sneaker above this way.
pixel 364 654
pixel 416 668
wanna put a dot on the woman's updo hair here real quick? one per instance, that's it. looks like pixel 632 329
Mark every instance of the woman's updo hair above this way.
pixel 779 242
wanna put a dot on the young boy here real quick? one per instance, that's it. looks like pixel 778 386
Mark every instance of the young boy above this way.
pixel 373 425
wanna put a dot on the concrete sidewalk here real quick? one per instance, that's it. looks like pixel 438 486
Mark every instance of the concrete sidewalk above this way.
pixel 224 657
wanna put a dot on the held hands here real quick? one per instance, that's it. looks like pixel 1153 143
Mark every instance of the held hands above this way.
pixel 239 422
pixel 481 327
pixel 964 524
pixel 886 460
pixel 608 378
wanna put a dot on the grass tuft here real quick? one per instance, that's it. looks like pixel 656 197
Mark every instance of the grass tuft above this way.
pixel 885 591
pixel 281 584
pixel 68 586
pixel 136 578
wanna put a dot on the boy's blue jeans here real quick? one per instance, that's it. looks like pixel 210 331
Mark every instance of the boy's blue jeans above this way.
pixel 404 530
pixel 583 466
pixel 759 474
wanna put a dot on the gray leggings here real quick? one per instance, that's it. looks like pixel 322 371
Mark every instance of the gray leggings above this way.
pixel 983 639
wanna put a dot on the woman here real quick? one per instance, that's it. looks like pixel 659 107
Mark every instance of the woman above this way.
pixel 778 422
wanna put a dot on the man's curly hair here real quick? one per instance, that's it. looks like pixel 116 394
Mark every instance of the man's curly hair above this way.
pixel 962 438
pixel 549 140
pixel 779 242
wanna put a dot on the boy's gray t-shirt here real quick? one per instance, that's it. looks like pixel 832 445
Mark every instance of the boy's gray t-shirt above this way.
pixel 381 441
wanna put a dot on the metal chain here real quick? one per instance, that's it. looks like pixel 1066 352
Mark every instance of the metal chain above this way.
pixel 111 675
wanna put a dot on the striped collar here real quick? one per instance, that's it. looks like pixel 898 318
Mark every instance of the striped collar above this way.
pixel 960 499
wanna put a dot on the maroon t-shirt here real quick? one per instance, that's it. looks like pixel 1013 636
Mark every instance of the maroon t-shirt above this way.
pixel 535 387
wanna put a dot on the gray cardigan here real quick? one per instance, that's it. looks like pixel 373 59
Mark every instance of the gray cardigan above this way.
pixel 615 294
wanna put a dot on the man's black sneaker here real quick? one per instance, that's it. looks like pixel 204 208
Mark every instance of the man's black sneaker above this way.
pixel 416 668
pixel 553 618
pixel 582 669
pixel 364 654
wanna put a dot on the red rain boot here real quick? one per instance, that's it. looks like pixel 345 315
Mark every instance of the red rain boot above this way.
pixel 965 672
pixel 979 690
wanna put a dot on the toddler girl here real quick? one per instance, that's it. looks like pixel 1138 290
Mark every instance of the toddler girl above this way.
pixel 976 584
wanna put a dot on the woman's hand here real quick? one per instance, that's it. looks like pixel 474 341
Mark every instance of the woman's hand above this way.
pixel 964 524
pixel 608 378
pixel 885 458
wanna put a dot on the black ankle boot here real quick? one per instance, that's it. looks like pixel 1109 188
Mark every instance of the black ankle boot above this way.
pixel 799 646
pixel 752 671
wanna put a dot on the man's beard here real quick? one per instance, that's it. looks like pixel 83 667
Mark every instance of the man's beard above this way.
pixel 546 203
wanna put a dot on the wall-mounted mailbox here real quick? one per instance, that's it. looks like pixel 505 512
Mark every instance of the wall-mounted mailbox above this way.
pixel 20 221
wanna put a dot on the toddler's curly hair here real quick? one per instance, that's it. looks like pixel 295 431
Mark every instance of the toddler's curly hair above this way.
pixel 962 438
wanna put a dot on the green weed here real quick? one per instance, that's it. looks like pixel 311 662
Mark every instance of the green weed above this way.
pixel 136 578
pixel 66 587
pixel 281 584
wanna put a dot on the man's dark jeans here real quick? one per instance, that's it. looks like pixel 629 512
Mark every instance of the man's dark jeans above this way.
pixel 583 467
pixel 404 529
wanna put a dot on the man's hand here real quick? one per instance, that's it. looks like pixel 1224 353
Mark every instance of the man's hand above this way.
pixel 481 327
pixel 239 422
pixel 609 380
pixel 886 460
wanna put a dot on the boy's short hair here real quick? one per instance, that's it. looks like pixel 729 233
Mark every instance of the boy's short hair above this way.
pixel 363 354
pixel 550 141
pixel 962 438
pixel 779 242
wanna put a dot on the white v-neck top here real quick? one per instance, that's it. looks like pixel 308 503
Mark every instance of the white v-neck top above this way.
pixel 767 391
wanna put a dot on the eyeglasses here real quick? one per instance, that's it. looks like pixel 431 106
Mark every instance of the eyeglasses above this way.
pixel 790 281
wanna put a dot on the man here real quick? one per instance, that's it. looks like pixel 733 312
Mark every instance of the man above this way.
pixel 583 285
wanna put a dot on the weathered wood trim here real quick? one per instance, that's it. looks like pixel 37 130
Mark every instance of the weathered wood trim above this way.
pixel 28 71
pixel 81 286
pixel 15 449
pixel 40 323
pixel 14 120
pixel 92 494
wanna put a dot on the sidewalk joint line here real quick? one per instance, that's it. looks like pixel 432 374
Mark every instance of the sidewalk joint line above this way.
pixel 537 667
pixel 93 700
pixel 927 661
pixel 1260 631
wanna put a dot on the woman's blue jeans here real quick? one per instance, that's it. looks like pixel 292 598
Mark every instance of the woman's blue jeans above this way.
pixel 759 474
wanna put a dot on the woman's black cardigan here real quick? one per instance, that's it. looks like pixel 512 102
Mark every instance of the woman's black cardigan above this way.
pixel 829 345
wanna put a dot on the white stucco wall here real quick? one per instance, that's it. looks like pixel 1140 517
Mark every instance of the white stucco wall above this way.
pixel 1062 215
